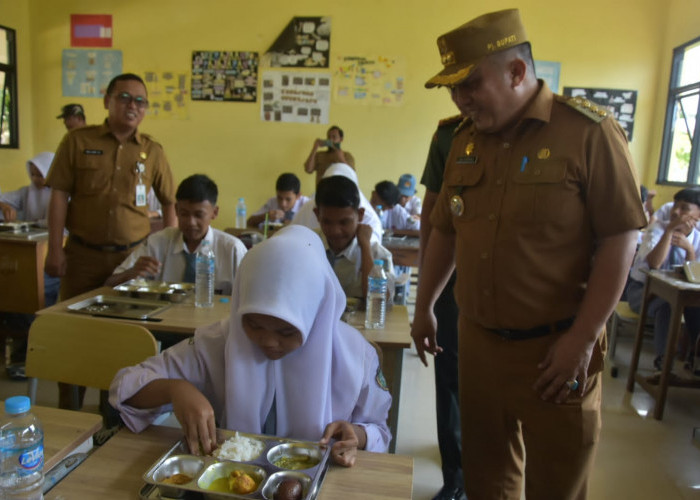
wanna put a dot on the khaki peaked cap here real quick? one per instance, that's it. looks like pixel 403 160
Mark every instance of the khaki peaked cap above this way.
pixel 462 48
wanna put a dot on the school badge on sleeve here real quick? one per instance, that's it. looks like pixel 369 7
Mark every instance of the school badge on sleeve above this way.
pixel 381 381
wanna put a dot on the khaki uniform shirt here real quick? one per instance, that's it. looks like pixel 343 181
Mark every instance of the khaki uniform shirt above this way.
pixel 101 175
pixel 534 208
pixel 325 159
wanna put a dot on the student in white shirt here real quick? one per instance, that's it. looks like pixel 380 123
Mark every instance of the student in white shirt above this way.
pixel 348 242
pixel 281 208
pixel 393 215
pixel 168 255
pixel 408 198
pixel 668 243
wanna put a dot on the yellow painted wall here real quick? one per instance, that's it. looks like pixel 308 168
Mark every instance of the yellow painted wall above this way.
pixel 621 44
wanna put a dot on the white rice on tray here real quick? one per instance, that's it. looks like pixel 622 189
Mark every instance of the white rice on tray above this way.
pixel 239 448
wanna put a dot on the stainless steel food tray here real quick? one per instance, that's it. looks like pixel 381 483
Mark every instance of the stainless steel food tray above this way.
pixel 15 227
pixel 178 459
pixel 119 307
pixel 155 290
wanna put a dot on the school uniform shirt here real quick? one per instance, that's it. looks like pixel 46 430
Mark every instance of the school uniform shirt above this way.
pixel 31 204
pixel 347 264
pixel 414 205
pixel 168 246
pixel 676 255
pixel 272 204
pixel 334 374
pixel 398 218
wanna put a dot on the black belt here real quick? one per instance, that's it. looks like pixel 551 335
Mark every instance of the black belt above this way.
pixel 533 333
pixel 105 248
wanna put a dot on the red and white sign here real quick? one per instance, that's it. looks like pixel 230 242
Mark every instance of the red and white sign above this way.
pixel 91 30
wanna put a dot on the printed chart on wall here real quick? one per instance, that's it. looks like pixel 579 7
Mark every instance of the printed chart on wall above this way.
pixel 86 73
pixel 621 103
pixel 224 76
pixel 295 97
pixel 376 80
pixel 167 94
pixel 304 43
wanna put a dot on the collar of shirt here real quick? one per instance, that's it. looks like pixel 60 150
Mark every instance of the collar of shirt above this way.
pixel 350 252
pixel 181 247
pixel 105 130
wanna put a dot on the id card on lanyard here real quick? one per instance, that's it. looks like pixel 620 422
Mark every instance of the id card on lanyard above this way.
pixel 140 186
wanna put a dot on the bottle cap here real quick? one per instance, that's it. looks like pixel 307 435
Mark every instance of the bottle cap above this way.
pixel 17 404
pixel 379 262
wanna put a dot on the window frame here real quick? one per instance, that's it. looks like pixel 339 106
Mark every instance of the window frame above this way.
pixel 674 92
pixel 10 71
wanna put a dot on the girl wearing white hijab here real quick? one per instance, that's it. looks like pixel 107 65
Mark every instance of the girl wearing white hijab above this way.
pixel 284 345
pixel 306 217
pixel 30 203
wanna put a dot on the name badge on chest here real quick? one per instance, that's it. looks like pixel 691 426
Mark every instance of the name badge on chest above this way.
pixel 140 187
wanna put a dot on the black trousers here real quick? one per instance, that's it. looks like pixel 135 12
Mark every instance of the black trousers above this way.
pixel 446 388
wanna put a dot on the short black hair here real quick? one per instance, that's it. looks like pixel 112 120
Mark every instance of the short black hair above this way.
pixel 689 195
pixel 123 78
pixel 288 182
pixel 337 191
pixel 197 188
pixel 388 192
pixel 340 130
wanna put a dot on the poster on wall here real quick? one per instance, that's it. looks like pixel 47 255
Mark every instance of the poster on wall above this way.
pixel 376 80
pixel 219 75
pixel 304 43
pixel 90 30
pixel 167 94
pixel 549 72
pixel 621 103
pixel 86 73
pixel 299 97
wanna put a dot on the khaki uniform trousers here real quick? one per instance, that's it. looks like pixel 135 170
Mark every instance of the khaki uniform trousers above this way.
pixel 508 431
pixel 86 269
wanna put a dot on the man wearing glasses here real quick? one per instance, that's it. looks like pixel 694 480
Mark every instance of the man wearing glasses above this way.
pixel 99 181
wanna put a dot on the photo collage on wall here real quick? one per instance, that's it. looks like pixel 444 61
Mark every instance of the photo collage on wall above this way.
pixel 224 76
pixel 295 97
pixel 304 43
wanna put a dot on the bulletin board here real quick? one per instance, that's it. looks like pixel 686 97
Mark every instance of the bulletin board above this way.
pixel 304 43
pixel 219 75
pixel 87 72
pixel 295 96
pixel 167 94
pixel 621 103
pixel 370 80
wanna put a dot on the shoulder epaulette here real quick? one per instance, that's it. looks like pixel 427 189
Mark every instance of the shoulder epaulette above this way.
pixel 450 121
pixel 584 106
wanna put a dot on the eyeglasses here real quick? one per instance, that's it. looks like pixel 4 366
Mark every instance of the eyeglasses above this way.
pixel 126 99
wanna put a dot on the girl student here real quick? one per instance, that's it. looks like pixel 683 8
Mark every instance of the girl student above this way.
pixel 284 351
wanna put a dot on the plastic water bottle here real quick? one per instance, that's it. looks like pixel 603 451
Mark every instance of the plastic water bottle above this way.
pixel 376 296
pixel 205 271
pixel 241 212
pixel 21 452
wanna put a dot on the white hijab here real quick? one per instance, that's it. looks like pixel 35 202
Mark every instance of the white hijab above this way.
pixel 36 203
pixel 288 276
pixel 306 216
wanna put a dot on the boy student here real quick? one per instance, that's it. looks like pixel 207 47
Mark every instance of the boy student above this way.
pixel 280 208
pixel 169 254
pixel 393 215
pixel 347 242
pixel 668 243
pixel 407 195
pixel 283 364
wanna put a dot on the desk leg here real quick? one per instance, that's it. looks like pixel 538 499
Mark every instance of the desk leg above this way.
pixel 392 368
pixel 634 362
pixel 669 355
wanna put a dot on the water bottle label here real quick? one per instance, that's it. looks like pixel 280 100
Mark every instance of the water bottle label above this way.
pixel 32 459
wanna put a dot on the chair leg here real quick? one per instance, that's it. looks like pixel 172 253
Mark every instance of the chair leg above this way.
pixel 75 397
pixel 31 389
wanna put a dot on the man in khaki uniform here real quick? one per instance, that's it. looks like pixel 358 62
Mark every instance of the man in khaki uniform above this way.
pixel 539 211
pixel 99 180
pixel 319 161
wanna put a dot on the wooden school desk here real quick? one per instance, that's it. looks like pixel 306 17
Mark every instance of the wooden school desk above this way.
pixel 183 318
pixel 116 468
pixel 64 431
pixel 680 293
pixel 404 246
pixel 22 270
